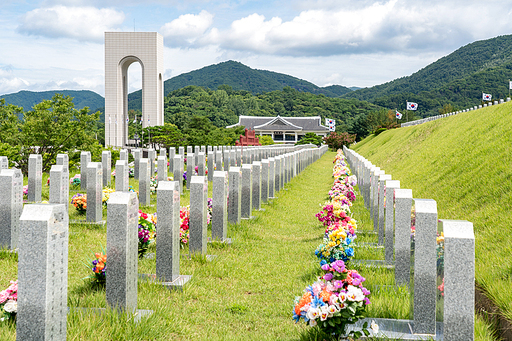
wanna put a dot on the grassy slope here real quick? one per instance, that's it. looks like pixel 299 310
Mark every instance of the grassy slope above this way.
pixel 464 162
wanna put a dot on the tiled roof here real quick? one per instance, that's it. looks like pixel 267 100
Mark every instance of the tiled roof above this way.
pixel 308 124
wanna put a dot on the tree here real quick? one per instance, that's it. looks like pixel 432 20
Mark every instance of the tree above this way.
pixel 51 127
pixel 167 136
pixel 310 138
pixel 336 141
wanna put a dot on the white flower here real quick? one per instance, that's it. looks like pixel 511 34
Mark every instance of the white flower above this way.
pixel 11 306
pixel 312 323
pixel 374 327
pixel 313 313
pixel 354 294
pixel 332 309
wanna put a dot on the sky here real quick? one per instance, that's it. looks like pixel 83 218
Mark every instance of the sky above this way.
pixel 59 44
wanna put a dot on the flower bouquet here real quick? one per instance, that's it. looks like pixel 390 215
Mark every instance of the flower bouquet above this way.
pixel 332 212
pixel 98 266
pixel 105 195
pixel 75 181
pixel 147 231
pixel 335 300
pixel 184 225
pixel 336 246
pixel 79 200
pixel 9 302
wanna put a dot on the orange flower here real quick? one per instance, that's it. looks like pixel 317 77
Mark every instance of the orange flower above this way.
pixel 325 295
pixel 305 299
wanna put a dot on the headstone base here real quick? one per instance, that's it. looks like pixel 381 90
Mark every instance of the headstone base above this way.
pixel 228 241
pixel 177 284
pixel 396 330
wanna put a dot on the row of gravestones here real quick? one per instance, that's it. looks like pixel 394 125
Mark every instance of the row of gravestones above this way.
pixel 416 267
pixel 433 118
pixel 44 231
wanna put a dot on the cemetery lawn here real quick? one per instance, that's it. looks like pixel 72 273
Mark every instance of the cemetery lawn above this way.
pixel 464 162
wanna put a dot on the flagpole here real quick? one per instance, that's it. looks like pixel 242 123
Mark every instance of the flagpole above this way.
pixel 509 87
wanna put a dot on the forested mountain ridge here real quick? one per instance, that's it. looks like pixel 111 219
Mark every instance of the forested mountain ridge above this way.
pixel 81 98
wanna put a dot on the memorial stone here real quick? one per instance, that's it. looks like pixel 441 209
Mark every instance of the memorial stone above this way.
pixel 137 155
pixel 382 188
pixel 256 185
pixel 122 177
pixel 57 185
pixel 123 155
pixel 190 168
pixel 197 220
pixel 4 162
pixel 219 205
pixel 151 158
pixel 11 206
pixel 218 161
pixel 162 168
pixel 271 178
pixel 264 179
pixel 226 160
pixel 211 163
pixel 178 172
pixel 122 241
pixel 172 154
pixel 94 211
pixel 235 195
pixel 391 186
pixel 85 158
pixel 63 160
pixel 144 182
pixel 246 191
pixel 403 205
pixel 200 164
pixel 35 177
pixel 42 273
pixel 106 159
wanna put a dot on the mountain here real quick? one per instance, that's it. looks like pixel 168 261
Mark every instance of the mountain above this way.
pixel 81 98
pixel 457 79
pixel 239 77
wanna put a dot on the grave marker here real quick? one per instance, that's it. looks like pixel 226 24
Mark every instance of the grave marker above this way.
pixel 122 176
pixel 35 177
pixel 11 206
pixel 197 222
pixel 235 195
pixel 94 211
pixel 220 205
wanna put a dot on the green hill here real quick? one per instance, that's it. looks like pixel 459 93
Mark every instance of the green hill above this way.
pixel 464 162
pixel 81 98
pixel 239 77
pixel 458 79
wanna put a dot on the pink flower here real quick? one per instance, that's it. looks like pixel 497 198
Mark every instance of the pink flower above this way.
pixel 328 276
pixel 4 295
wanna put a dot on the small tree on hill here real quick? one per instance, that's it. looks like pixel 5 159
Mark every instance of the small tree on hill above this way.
pixel 336 141
pixel 310 138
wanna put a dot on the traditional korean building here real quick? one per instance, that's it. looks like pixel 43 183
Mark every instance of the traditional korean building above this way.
pixel 281 129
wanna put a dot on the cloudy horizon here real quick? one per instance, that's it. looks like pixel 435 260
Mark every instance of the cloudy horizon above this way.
pixel 59 44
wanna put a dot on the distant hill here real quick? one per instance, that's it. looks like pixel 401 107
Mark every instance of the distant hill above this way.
pixel 239 77
pixel 457 79
pixel 81 98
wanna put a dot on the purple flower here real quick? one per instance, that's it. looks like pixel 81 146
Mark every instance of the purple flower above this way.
pixel 328 276
pixel 326 267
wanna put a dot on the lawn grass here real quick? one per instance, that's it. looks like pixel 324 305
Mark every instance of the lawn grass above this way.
pixel 464 162
pixel 246 293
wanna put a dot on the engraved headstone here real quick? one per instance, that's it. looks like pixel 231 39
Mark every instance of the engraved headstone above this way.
pixel 35 177
pixel 220 205
pixel 63 160
pixel 94 211
pixel 382 187
pixel 172 154
pixel 122 177
pixel 200 164
pixel 256 185
pixel 197 220
pixel 235 195
pixel 271 178
pixel 190 167
pixel 122 241
pixel 152 158
pixel 162 168
pixel 123 155
pixel 246 191
pixel 391 186
pixel 144 182
pixel 403 205
pixel 211 163
pixel 42 273
pixel 11 205
pixel 137 155
pixel 4 162
pixel 85 158
pixel 106 165
pixel 178 173
pixel 264 179
pixel 218 161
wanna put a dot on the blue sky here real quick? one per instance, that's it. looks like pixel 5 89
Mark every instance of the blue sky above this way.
pixel 58 44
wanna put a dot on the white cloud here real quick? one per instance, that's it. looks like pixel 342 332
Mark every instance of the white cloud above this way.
pixel 187 28
pixel 80 23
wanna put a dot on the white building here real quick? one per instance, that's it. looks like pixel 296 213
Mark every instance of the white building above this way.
pixel 281 129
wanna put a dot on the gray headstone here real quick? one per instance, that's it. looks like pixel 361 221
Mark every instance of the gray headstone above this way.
pixel 42 273
pixel 168 236
pixel 57 177
pixel 162 168
pixel 144 182
pixel 382 186
pixel 163 152
pixel 403 205
pixel 197 222
pixel 425 267
pixel 123 155
pixel 106 159
pixel 271 178
pixel 152 158
pixel 94 211
pixel 122 246
pixel 246 191
pixel 232 158
pixel 11 205
pixel 218 160
pixel 190 168
pixel 211 163
pixel 459 280
pixel 4 162
pixel 85 158
pixel 35 177
pixel 178 173
pixel 238 153
pixel 235 195
pixel 375 201
pixel 200 164
pixel 181 151
pixel 63 160
pixel 172 154
pixel 220 205
pixel 256 185
pixel 264 179
pixel 122 176
pixel 277 179
pixel 391 186
pixel 137 155
pixel 226 160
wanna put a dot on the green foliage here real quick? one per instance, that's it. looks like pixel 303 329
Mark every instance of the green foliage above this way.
pixel 265 140
pixel 311 138
pixel 51 127
pixel 457 79
pixel 336 141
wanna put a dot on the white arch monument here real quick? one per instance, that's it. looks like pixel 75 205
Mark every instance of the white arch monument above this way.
pixel 121 50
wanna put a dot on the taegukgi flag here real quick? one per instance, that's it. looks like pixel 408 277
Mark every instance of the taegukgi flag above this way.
pixel 412 106
pixel 398 115
pixel 510 84
pixel 486 97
